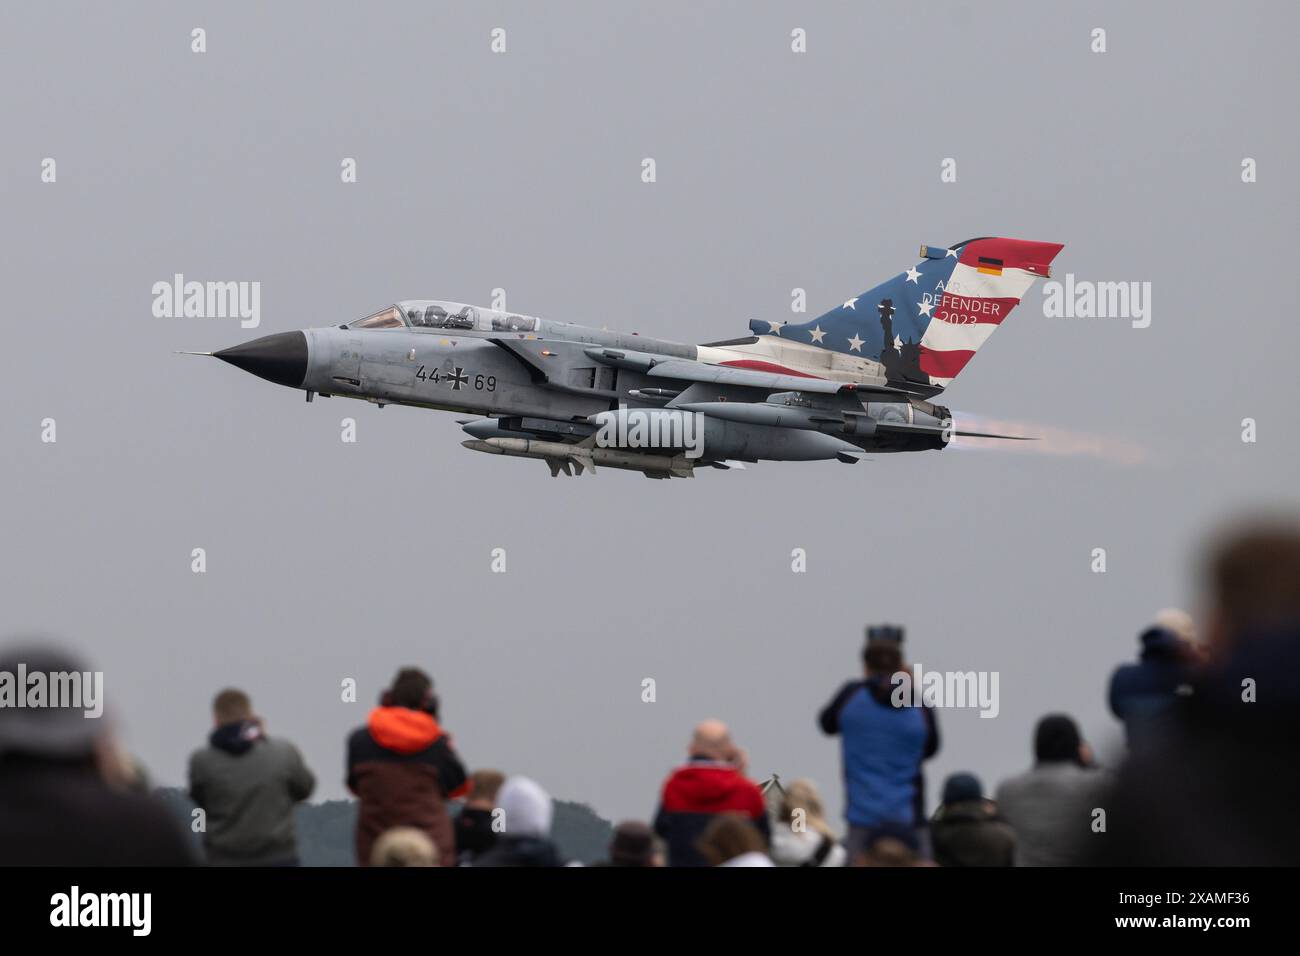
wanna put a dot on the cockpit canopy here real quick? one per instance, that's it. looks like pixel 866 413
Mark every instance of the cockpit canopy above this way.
pixel 453 316
pixel 389 318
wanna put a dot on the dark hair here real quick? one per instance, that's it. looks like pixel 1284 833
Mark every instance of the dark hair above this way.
pixel 231 705
pixel 883 658
pixel 1254 574
pixel 1057 739
pixel 632 844
pixel 411 688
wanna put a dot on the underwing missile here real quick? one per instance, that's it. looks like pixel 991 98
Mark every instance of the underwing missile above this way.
pixel 585 457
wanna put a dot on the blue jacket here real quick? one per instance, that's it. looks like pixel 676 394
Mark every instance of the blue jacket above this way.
pixel 1151 688
pixel 883 747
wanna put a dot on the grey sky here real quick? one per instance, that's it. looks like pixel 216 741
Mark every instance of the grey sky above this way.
pixel 522 171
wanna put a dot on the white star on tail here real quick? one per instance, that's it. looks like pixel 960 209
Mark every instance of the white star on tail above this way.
pixel 855 343
pixel 952 252
pixel 914 275
pixel 817 334
pixel 775 328
pixel 925 307
pixel 852 304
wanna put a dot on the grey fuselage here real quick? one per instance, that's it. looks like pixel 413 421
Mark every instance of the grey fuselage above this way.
pixel 532 378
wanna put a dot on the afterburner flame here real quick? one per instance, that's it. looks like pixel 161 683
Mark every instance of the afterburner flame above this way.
pixel 1050 440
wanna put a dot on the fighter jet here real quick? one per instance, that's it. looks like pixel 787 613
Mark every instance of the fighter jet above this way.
pixel 858 379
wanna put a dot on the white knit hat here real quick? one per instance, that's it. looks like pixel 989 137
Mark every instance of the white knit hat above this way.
pixel 527 807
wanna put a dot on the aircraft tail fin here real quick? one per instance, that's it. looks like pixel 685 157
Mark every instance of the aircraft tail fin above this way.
pixel 924 325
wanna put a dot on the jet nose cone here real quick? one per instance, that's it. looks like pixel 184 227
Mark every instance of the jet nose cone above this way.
pixel 279 358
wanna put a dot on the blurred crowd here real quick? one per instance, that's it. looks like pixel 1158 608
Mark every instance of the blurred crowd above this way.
pixel 1209 710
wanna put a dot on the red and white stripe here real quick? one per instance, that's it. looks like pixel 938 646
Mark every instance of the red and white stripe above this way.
pixel 974 303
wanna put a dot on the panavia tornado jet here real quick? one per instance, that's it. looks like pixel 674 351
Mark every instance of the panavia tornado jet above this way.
pixel 856 380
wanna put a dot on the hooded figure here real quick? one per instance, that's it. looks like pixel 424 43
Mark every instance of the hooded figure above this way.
pixel 403 768
pixel 1217 783
pixel 247 784
pixel 1145 694
pixel 966 829
pixel 526 810
pixel 712 783
pixel 68 796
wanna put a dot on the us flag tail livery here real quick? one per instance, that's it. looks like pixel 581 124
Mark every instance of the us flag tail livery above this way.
pixel 923 325
pixel 857 379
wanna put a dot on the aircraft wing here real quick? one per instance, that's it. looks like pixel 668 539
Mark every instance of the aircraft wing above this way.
pixel 534 356
pixel 687 370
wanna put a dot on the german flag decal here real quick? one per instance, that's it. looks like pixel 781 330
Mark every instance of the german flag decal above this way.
pixel 990 267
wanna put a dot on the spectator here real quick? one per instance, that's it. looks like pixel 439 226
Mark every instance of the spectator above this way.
pixel 1219 784
pixel 527 811
pixel 1150 689
pixel 404 846
pixel 891 844
pixel 800 835
pixel 403 768
pixel 712 782
pixel 247 784
pixel 66 797
pixel 1050 807
pixel 730 839
pixel 966 829
pixel 634 845
pixel 883 745
pixel 474 833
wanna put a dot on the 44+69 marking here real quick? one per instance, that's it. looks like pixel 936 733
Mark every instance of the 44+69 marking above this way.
pixel 458 378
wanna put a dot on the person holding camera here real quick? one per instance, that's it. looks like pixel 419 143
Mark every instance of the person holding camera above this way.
pixel 248 785
pixel 883 743
pixel 403 768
